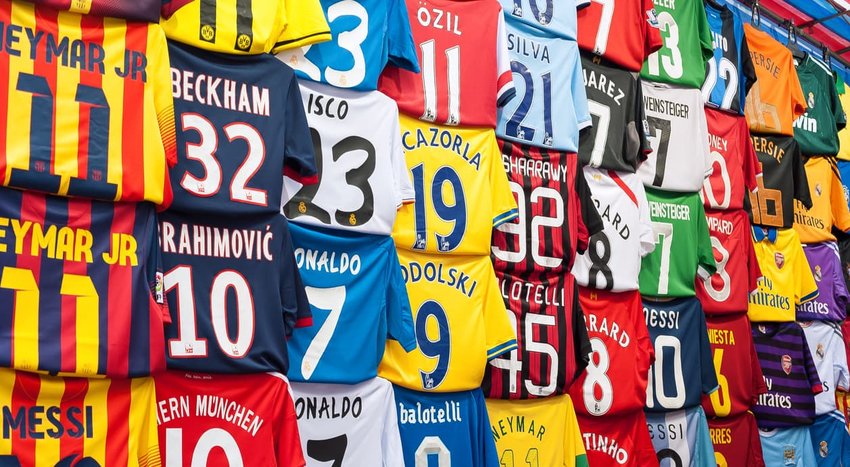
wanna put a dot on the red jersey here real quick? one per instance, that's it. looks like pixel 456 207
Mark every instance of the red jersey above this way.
pixel 615 379
pixel 622 31
pixel 227 420
pixel 737 366
pixel 728 289
pixel 617 442
pixel 463 54
pixel 736 441
pixel 733 160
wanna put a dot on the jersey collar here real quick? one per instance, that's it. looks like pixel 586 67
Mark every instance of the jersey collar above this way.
pixel 760 233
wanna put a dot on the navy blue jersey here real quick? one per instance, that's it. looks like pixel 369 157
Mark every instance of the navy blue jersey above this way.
pixel 240 127
pixel 233 290
pixel 729 73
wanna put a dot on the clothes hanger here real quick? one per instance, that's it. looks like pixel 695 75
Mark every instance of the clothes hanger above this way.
pixel 798 53
pixel 756 14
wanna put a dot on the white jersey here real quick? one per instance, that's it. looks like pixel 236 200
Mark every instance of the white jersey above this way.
pixel 827 348
pixel 613 257
pixel 678 134
pixel 363 178
pixel 348 425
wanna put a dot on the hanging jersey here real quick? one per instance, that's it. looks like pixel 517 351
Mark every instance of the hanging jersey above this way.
pixel 460 322
pixel 681 438
pixel 736 441
pixel 261 26
pixel 618 137
pixel 613 257
pixel 622 32
pixel 680 159
pixel 232 157
pixel 544 431
pixel 830 440
pixel 556 18
pixel 816 131
pixel 776 99
pixel 832 299
pixel 826 345
pixel 363 179
pixel 683 57
pixel 829 207
pixel 787 446
pixel 618 442
pixel 464 162
pixel 736 364
pixel 730 72
pixel 85 422
pixel 97 122
pixel 348 424
pixel 844 172
pixel 551 105
pixel 137 10
pixel 738 272
pixel 842 399
pixel 614 382
pixel 366 35
pixel 789 373
pixel 735 169
pixel 786 280
pixel 463 57
pixel 81 283
pixel 445 429
pixel 783 181
pixel 683 369
pixel 844 134
pixel 680 230
pixel 358 300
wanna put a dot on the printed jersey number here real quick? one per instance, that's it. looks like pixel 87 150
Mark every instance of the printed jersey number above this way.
pixel 766 204
pixel 604 29
pixel 721 459
pixel 188 344
pixel 514 126
pixel 672 64
pixel 675 458
pixel 656 388
pixel 764 114
pixel 303 204
pixel 601 116
pixel 433 345
pixel 328 450
pixel 521 229
pixel 513 364
pixel 204 153
pixel 663 232
pixel 543 17
pixel 729 72
pixel 351 41
pixel 429 81
pixel 214 439
pixel 532 456
pixel 597 389
pixel 454 214
pixel 720 401
pixel 599 251
pixel 660 131
pixel 331 300
pixel 720 294
pixel 717 160
pixel 433 447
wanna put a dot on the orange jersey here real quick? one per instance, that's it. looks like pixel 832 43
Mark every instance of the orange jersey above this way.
pixel 829 208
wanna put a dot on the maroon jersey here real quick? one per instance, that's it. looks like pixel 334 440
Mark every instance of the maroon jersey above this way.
pixel 737 366
pixel 734 162
pixel 736 441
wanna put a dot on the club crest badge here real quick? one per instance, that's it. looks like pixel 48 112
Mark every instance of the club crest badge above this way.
pixel 779 259
pixel 786 364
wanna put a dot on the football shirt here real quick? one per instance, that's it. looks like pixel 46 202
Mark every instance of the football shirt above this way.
pixel 683 249
pixel 460 322
pixel 618 138
pixel 227 419
pixel 844 134
pixel 790 375
pixel 618 442
pixel 539 432
pixel 240 132
pixel 94 119
pixel 683 368
pixel 735 165
pixel 259 26
pixel 57 421
pixel 463 57
pixel 687 44
pixel 137 10
pixel 363 179
pixel 357 299
pixel 816 131
pixel 730 72
pixel 348 424
pixel 366 35
pixel 678 135
pixel 832 299
pixel 614 382
pixel 736 440
pixel 736 364
pixel 783 181
pixel 829 207
pixel 461 190
pixel 681 438
pixel 624 32
pixel 830 440
pixel 550 107
pixel 81 284
pixel 786 280
pixel 556 18
pixel 613 257
pixel 776 99
pixel 787 446
pixel 826 346
pixel 844 172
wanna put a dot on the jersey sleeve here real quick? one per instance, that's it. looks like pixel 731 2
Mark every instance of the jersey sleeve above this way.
pixel 759 386
pixel 288 442
pixel 402 49
pixel 652 40
pixel 705 252
pixel 707 370
pixel 806 287
pixel 574 452
pixel 842 375
pixel 838 110
pixel 503 202
pixel 399 314
pixel 752 168
pixel 393 453
pixel 401 176
pixel 581 342
pixel 148 430
pixel 706 41
pixel 840 211
pixel 755 455
pixel 168 7
pixel 801 180
pixel 299 156
pixel 159 66
pixel 748 71
pixel 155 278
pixel 815 382
pixel 645 356
pixel 798 100
pixel 591 222
pixel 753 269
pixel 505 81
pixel 579 93
pixel 839 287
pixel 305 25
pixel 647 238
pixel 295 307
pixel 500 334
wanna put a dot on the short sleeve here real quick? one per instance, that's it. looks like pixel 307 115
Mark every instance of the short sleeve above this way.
pixel 502 198
pixel 402 49
pixel 801 180
pixel 652 40
pixel 574 452
pixel 840 211
pixel 706 41
pixel 815 382
pixel 838 110
pixel 647 238
pixel 705 253
pixel 759 386
pixel 645 355
pixel 148 431
pixel 288 442
pixel 753 269
pixel 708 372
pixel 305 25
pixel 590 219
pixel 500 334
pixel 393 454
pixel 839 286
pixel 399 314
pixel 752 168
pixel 798 101
pixel 295 306
pixel 642 125
pixel 299 161
pixel 163 100
pixel 756 456
pixel 748 71
pixel 579 93
pixel 505 90
pixel 581 342
pixel 704 447
pixel 401 176
pixel 806 287
pixel 842 374
pixel 481 432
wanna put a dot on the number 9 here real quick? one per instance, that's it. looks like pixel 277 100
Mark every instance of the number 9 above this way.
pixel 439 349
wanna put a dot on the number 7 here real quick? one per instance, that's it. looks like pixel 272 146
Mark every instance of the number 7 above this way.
pixel 664 230
pixel 331 299
pixel 661 131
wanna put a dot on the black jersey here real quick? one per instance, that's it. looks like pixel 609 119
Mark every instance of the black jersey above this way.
pixel 784 180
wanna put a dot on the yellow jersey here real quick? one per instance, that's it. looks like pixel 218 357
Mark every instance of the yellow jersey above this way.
pixel 461 188
pixel 248 27
pixel 460 321
pixel 538 432
pixel 786 281
pixel 829 208
pixel 844 134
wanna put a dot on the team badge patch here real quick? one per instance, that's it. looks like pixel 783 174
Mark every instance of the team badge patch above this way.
pixel 779 259
pixel 818 190
pixel 811 100
pixel 820 352
pixel 818 273
pixel 824 449
pixel 786 364
pixel 789 455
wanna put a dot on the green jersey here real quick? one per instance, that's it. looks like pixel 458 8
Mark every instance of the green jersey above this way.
pixel 682 245
pixel 687 44
pixel 816 131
